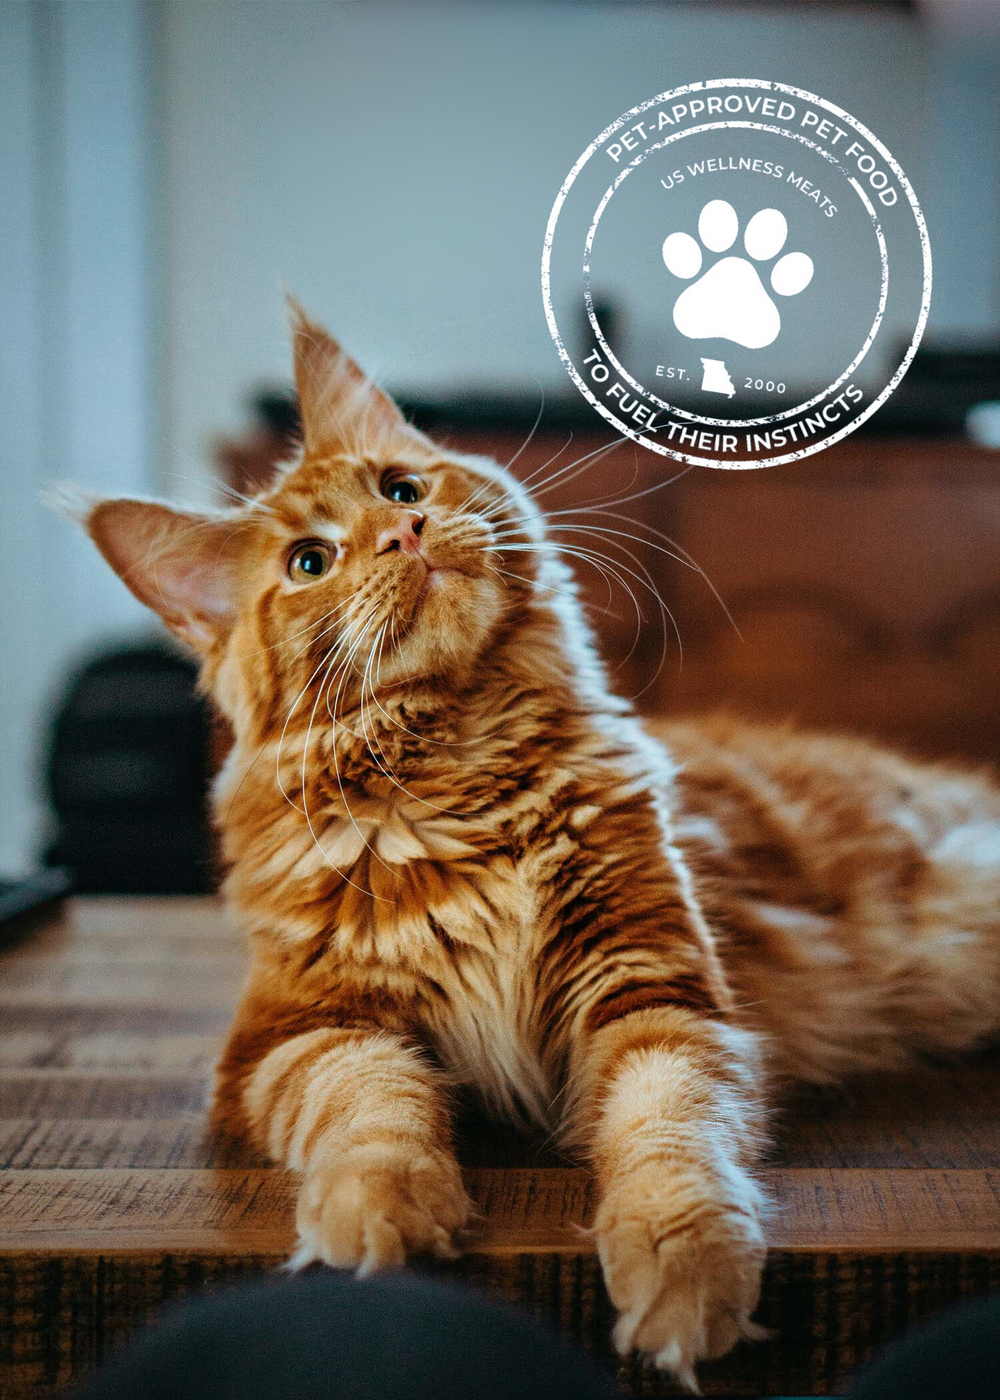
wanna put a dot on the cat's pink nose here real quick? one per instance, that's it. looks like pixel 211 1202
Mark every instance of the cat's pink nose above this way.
pixel 403 535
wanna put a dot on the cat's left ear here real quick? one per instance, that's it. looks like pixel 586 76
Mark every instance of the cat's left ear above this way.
pixel 341 409
pixel 179 563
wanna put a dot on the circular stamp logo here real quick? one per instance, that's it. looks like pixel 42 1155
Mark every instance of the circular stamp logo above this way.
pixel 736 273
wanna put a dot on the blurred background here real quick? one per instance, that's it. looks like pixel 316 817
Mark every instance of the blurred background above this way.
pixel 169 165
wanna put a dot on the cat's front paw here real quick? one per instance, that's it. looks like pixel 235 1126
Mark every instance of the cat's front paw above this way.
pixel 682 1264
pixel 376 1205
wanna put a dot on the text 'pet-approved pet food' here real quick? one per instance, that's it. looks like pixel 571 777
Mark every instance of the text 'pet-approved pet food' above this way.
pixel 742 232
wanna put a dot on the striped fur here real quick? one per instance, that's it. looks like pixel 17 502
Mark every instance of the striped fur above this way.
pixel 460 859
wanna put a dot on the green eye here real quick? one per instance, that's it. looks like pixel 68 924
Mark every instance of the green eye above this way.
pixel 309 562
pixel 404 490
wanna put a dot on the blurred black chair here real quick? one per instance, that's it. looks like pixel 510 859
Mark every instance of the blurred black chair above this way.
pixel 127 774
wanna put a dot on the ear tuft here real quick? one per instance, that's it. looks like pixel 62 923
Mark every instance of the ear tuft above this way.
pixel 299 318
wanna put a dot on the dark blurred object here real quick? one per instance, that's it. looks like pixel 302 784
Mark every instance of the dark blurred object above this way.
pixel 941 387
pixel 610 316
pixel 128 773
pixel 953 1357
pixel 246 464
pixel 27 898
pixel 326 1336
pixel 934 398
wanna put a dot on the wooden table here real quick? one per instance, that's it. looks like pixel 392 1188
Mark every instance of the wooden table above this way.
pixel 115 1198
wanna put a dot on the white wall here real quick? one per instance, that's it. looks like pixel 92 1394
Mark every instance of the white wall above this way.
pixel 964 188
pixel 75 362
pixel 396 167
pixel 167 165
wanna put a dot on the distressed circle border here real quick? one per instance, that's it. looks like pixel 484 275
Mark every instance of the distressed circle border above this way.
pixel 788 412
pixel 767 85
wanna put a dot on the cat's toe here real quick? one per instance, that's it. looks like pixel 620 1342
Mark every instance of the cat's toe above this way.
pixel 369 1210
pixel 684 1283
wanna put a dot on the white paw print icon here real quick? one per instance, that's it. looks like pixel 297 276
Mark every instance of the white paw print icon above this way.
pixel 730 300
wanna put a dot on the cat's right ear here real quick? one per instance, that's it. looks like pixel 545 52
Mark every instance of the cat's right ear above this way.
pixel 339 405
pixel 179 563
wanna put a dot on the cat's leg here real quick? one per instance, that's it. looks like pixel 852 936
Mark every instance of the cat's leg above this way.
pixel 670 1119
pixel 362 1114
pixel 665 1099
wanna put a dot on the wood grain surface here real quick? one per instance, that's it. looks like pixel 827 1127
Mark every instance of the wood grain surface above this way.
pixel 116 1198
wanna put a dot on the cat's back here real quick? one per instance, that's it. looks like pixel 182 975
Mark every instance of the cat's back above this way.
pixel 834 799
pixel 844 884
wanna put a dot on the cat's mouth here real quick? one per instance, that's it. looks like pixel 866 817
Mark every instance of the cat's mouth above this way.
pixel 440 591
pixel 437 579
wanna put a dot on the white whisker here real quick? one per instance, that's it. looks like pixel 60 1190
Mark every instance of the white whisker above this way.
pixel 336 760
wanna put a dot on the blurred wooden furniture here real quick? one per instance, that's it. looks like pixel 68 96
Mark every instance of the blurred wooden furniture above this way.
pixel 866 584
pixel 115 1198
pixel 863 584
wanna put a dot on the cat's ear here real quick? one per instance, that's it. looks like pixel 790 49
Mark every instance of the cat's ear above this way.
pixel 179 563
pixel 340 406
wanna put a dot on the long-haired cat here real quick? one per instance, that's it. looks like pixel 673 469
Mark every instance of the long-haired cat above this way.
pixel 460 858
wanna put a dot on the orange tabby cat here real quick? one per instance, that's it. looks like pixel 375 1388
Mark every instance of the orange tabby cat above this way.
pixel 460 858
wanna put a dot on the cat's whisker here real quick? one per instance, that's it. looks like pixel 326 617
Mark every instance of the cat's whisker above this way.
pixel 650 581
pixel 640 617
pixel 288 720
pixel 422 738
pixel 590 529
pixel 366 738
pixel 488 482
pixel 366 681
pixel 685 556
pixel 534 430
pixel 343 723
pixel 303 630
pixel 248 501
pixel 336 759
pixel 600 562
pixel 331 652
pixel 252 502
pixel 249 769
pixel 604 565
pixel 559 477
pixel 546 587
pixel 665 616
pixel 597 559
pixel 608 448
pixel 646 490
pixel 342 671
pixel 525 481
pixel 571 470
pixel 387 769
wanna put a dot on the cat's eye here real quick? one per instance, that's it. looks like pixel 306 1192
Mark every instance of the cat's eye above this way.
pixel 404 490
pixel 309 562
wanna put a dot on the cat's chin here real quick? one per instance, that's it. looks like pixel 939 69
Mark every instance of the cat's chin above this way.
pixel 444 594
pixel 453 617
pixel 440 577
